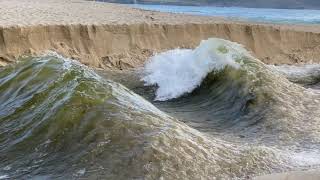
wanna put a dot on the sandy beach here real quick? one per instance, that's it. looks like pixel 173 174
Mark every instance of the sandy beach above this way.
pixel 104 35
pixel 116 36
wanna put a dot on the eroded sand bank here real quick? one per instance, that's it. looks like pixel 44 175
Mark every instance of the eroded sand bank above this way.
pixel 109 35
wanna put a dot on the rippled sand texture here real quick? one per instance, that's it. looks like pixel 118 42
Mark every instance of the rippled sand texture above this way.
pixel 108 35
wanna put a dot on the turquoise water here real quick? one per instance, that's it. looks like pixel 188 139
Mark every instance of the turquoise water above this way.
pixel 284 16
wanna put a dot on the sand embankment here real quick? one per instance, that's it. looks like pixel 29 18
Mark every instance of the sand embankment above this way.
pixel 108 35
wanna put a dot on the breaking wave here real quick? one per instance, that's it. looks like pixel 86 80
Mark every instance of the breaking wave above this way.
pixel 219 87
pixel 220 113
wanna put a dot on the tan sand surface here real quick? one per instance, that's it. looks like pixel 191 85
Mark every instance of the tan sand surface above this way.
pixel 48 12
pixel 110 35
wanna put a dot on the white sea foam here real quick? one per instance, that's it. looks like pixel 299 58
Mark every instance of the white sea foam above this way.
pixel 302 73
pixel 180 71
pixel 4 177
pixel 306 158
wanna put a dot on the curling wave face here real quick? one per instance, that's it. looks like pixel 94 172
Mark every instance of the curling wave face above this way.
pixel 219 86
pixel 180 71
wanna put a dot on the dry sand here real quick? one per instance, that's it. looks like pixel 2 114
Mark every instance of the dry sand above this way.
pixel 109 35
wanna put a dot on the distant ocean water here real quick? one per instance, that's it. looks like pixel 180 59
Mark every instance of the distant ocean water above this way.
pixel 282 16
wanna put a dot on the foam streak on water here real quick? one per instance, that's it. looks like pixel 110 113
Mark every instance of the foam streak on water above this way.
pixel 303 74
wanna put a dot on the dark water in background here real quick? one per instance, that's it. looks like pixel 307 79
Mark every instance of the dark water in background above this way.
pixel 282 16
pixel 234 118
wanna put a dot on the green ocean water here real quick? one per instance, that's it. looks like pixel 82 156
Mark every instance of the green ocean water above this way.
pixel 62 120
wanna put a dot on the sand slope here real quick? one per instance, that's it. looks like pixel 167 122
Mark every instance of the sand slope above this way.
pixel 109 35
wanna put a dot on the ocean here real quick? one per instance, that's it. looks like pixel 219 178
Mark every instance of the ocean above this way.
pixel 283 16
pixel 213 112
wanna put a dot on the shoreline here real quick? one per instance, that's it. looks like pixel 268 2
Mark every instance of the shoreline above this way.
pixel 228 5
pixel 105 35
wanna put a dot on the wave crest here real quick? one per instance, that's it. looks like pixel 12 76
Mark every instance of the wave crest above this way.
pixel 180 71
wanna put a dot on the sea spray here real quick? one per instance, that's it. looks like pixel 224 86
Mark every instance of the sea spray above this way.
pixel 219 86
pixel 180 71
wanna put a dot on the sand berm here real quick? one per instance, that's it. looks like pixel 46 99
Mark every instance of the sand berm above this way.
pixel 116 36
